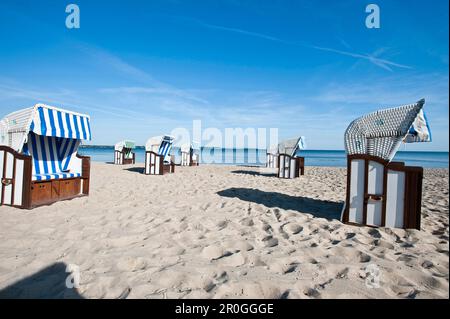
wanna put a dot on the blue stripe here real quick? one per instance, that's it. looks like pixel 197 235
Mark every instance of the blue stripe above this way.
pixel 77 129
pixel 61 126
pixel 89 129
pixel 35 152
pixel 428 127
pixel 32 126
pixel 69 127
pixel 43 124
pixel 83 128
pixel 72 148
pixel 52 122
pixel 52 155
pixel 44 155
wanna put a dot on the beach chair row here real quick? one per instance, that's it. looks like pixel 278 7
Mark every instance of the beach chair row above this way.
pixel 40 165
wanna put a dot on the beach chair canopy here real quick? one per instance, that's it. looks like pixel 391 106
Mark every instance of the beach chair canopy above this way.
pixel 381 133
pixel 292 146
pixel 160 145
pixel 51 136
pixel 128 145
pixel 188 147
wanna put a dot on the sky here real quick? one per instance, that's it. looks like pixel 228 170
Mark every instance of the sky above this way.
pixel 143 68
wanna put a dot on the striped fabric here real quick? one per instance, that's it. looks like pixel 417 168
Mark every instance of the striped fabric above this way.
pixel 51 156
pixel 164 148
pixel 52 122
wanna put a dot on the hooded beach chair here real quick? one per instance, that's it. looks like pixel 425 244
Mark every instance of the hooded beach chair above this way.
pixel 39 164
pixel 290 165
pixel 158 160
pixel 272 157
pixel 381 192
pixel 190 154
pixel 123 153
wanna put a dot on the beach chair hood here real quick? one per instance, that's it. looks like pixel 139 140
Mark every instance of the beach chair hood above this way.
pixel 43 120
pixel 291 146
pixel 51 136
pixel 381 133
pixel 130 145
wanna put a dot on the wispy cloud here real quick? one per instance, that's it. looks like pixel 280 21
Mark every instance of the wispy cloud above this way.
pixel 382 63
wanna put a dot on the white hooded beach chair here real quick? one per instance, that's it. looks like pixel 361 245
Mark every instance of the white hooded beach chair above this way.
pixel 290 165
pixel 190 154
pixel 39 164
pixel 272 157
pixel 123 153
pixel 158 160
pixel 381 192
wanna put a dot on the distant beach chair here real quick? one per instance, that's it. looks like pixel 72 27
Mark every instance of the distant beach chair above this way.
pixel 290 165
pixel 158 160
pixel 123 153
pixel 190 154
pixel 381 192
pixel 39 161
pixel 272 157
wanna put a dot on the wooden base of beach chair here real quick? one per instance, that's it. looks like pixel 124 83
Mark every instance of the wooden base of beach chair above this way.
pixel 119 158
pixel 154 165
pixel 290 167
pixel 382 194
pixel 18 190
pixel 271 160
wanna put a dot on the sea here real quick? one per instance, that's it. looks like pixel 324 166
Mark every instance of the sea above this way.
pixel 257 157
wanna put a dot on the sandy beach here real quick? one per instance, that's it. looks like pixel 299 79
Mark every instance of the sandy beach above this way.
pixel 220 232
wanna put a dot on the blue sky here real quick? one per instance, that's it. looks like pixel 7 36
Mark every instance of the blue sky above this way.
pixel 141 68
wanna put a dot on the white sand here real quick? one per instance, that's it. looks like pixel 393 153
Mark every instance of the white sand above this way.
pixel 212 232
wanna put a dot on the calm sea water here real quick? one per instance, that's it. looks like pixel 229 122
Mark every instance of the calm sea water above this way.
pixel 258 157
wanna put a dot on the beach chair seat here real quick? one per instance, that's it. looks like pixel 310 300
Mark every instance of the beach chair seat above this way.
pixel 39 161
pixel 289 164
pixel 272 157
pixel 380 192
pixel 158 160
pixel 123 153
pixel 190 154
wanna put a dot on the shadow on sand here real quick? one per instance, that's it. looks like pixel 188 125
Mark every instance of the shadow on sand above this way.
pixel 315 207
pixel 139 170
pixel 49 283
pixel 254 173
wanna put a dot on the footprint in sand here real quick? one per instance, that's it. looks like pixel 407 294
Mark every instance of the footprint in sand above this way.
pixel 215 252
pixel 270 241
pixel 293 228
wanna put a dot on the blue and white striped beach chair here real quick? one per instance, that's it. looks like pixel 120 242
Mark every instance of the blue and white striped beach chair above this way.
pixel 158 160
pixel 39 163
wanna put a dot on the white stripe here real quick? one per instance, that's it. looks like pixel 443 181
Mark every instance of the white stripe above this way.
pixel 72 125
pixel 47 122
pixel 58 128
pixel 86 127
pixel 65 126
pixel 80 128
